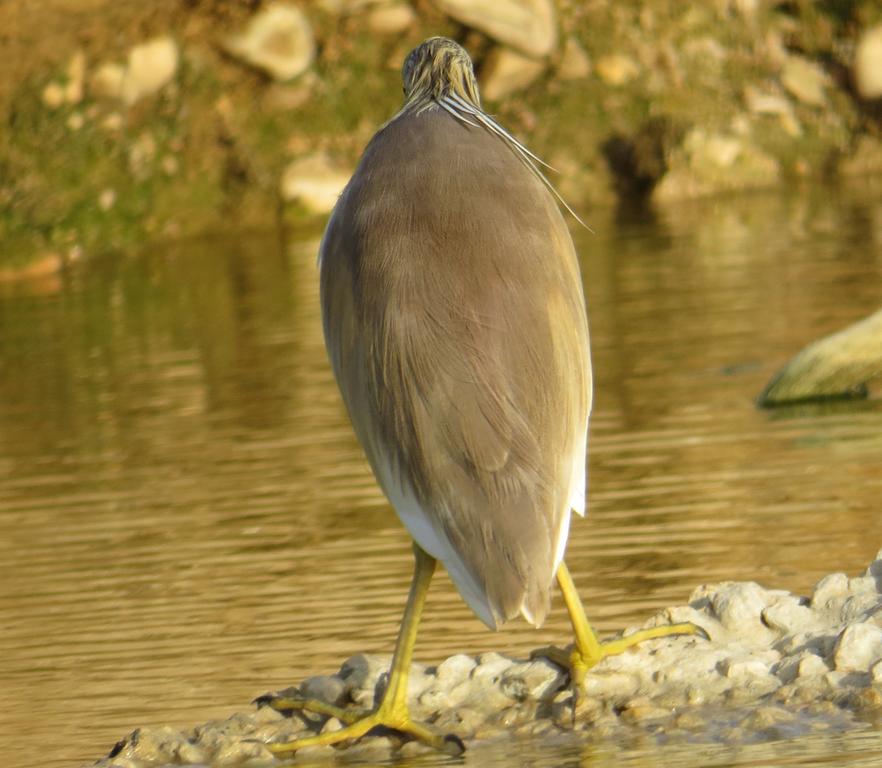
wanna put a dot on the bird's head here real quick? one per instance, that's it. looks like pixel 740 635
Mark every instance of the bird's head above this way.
pixel 436 68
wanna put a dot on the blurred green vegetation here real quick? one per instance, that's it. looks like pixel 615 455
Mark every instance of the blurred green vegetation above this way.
pixel 208 151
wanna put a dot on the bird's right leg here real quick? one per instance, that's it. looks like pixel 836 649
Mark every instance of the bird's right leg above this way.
pixel 588 650
pixel 393 711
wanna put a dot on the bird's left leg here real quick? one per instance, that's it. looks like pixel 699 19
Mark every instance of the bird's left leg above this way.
pixel 393 711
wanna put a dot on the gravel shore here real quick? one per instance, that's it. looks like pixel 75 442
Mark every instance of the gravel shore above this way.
pixel 777 665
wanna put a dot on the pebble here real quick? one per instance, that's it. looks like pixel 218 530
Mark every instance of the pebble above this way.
pixel 761 102
pixel 858 648
pixel 76 75
pixel 106 199
pixel 106 82
pixel 391 19
pixel 830 590
pixel 506 71
pixel 455 669
pixel 541 679
pixel 788 615
pixel 575 64
pixel 150 67
pixel 711 161
pixel 805 80
pixel 528 26
pixel 278 40
pixel 739 606
pixel 315 182
pixel 777 665
pixel 318 754
pixel 53 95
pixel 868 63
pixel 328 688
pixel 617 69
pixel 812 666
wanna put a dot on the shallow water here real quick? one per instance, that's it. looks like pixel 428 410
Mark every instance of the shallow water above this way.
pixel 186 520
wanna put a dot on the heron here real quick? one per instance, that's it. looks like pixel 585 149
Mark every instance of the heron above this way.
pixel 456 327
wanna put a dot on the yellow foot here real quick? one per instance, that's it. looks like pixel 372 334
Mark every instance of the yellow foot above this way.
pixel 578 660
pixel 358 723
pixel 287 704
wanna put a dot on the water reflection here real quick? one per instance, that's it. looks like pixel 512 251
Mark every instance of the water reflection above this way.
pixel 186 519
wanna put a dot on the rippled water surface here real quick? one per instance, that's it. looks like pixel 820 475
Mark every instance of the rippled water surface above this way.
pixel 186 520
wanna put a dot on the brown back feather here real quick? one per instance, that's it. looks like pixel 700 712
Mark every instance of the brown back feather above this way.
pixel 455 320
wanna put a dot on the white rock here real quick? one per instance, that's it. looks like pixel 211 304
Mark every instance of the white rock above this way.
pixel 616 69
pixel 142 153
pixel 705 660
pixel 266 715
pixel 575 64
pixel 821 643
pixel 507 71
pixel 491 666
pixel 442 697
pixel 107 81
pixel 868 64
pixel 190 754
pixel 150 67
pixel 856 607
pixel 278 40
pixel 876 672
pixel 76 75
pixel 169 165
pixel 611 685
pixel 455 669
pixel 862 585
pixel 540 678
pixel 812 666
pixel 739 606
pixel 830 592
pixel 106 199
pixel 315 754
pixel 764 103
pixel 805 80
pixel 237 753
pixel 787 615
pixel 391 19
pixel 53 95
pixel 529 26
pixel 801 664
pixel 419 681
pixel 859 648
pixel 721 151
pixel 313 181
pixel 112 122
pixel 706 49
pixel 743 670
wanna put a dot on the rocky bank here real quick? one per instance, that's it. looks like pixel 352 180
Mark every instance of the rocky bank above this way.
pixel 776 665
pixel 127 121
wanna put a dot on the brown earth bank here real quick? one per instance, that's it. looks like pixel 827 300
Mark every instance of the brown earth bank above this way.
pixel 126 121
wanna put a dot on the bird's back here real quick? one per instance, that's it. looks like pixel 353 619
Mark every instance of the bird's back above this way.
pixel 455 322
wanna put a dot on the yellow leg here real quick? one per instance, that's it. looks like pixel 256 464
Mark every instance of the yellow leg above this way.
pixel 393 711
pixel 588 649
